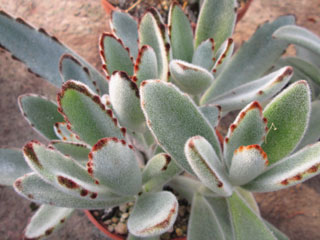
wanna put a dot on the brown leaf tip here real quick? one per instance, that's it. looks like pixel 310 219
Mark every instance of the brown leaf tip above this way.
pixel 168 160
pixel 67 182
pixel 30 153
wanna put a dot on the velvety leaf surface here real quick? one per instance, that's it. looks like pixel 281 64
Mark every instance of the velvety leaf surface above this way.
pixel 152 33
pixel 312 134
pixel 153 214
pixel 203 223
pixel 308 55
pixel 45 221
pixel 207 166
pixel 114 55
pixel 181 35
pixel 190 78
pixel 288 116
pixel 126 28
pixel 33 47
pixel 247 163
pixel 248 128
pixel 71 69
pixel 32 187
pixel 204 54
pixel 248 197
pixel 276 232
pixel 299 36
pixel 252 60
pixel 12 166
pixel 41 114
pixel 114 164
pixel 246 224
pixel 173 118
pixel 62 130
pixel 125 100
pixel 216 20
pixel 159 170
pixel 258 90
pixel 223 55
pixel 212 113
pixel 88 117
pixel 77 151
pixel 146 66
pixel 290 171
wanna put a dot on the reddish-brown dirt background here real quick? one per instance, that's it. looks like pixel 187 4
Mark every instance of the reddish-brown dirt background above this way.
pixel 78 23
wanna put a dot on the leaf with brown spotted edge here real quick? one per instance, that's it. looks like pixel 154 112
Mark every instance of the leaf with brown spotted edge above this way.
pixel 204 55
pixel 159 170
pixel 180 33
pixel 288 116
pixel 203 223
pixel 45 221
pixel 260 90
pixel 146 66
pixel 248 162
pixel 37 49
pixel 290 171
pixel 126 28
pixel 207 166
pixel 248 128
pixel 114 55
pixel 173 118
pixel 222 56
pixel 32 187
pixel 88 117
pixel 63 131
pixel 190 78
pixel 41 113
pixel 63 172
pixel 152 32
pixel 153 214
pixel 125 100
pixel 113 163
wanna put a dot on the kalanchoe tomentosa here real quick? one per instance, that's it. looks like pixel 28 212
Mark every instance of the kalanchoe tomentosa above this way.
pixel 166 90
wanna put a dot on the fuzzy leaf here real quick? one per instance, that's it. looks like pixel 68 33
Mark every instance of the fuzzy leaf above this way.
pixel 203 223
pixel 252 60
pixel 88 117
pixel 63 172
pixel 299 36
pixel 207 166
pixel 181 35
pixel 248 197
pixel 290 171
pixel 171 117
pixel 223 55
pixel 204 54
pixel 221 211
pixel 45 221
pixel 77 151
pixel 114 164
pixel 212 114
pixel 114 55
pixel 132 237
pixel 158 171
pixel 313 131
pixel 33 47
pixel 288 116
pixel 12 166
pixel 153 214
pixel 62 130
pixel 276 232
pixel 247 163
pixel 216 20
pixel 146 66
pixel 308 55
pixel 246 224
pixel 259 90
pixel 31 186
pixel 125 100
pixel 190 78
pixel 152 33
pixel 126 28
pixel 72 69
pixel 41 114
pixel 248 128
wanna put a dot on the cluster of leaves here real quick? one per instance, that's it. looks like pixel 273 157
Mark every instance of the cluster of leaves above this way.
pixel 167 89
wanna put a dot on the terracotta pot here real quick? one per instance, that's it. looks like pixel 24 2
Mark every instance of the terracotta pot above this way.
pixel 106 232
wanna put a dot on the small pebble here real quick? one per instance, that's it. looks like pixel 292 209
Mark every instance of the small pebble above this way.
pixel 110 228
pixel 107 222
pixel 115 219
pixel 121 228
pixel 125 215
pixel 179 232
pixel 123 207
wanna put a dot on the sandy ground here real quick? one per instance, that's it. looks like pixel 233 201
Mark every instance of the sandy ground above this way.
pixel 78 23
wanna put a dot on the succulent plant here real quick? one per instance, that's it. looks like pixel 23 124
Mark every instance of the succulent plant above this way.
pixel 124 139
